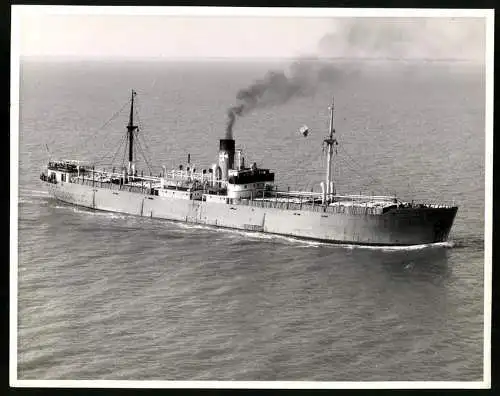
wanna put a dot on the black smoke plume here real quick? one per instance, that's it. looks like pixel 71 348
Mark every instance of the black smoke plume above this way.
pixel 278 87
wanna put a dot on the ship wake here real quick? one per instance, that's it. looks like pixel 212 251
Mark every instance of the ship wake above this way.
pixel 437 245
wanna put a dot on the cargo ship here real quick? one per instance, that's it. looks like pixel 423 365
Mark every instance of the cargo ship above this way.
pixel 233 195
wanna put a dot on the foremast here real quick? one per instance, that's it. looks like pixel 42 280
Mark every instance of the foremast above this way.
pixel 131 128
pixel 331 141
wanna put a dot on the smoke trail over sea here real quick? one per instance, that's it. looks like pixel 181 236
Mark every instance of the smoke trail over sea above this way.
pixel 278 87
pixel 406 38
pixel 374 38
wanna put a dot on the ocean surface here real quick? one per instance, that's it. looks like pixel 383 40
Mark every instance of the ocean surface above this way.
pixel 110 296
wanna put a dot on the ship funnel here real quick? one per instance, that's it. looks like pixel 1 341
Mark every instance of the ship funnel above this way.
pixel 226 156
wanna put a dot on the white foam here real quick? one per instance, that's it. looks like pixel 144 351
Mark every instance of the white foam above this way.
pixel 90 212
pixel 400 248
pixel 110 215
pixel 190 226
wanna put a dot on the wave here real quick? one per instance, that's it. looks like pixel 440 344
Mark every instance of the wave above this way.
pixel 34 193
pixel 110 215
pixel 189 226
pixel 91 212
pixel 299 242
pixel 437 245
pixel 467 242
pixel 26 201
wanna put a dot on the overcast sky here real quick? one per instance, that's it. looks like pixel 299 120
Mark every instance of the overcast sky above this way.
pixel 43 34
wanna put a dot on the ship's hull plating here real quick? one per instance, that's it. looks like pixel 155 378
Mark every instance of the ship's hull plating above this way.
pixel 403 226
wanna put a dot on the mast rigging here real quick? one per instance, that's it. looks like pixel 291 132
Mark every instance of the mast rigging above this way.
pixel 131 128
pixel 330 143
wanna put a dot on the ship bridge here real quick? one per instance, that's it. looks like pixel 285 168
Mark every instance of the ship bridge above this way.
pixel 247 176
pixel 249 183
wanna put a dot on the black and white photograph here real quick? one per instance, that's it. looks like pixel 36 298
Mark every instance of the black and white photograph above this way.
pixel 211 197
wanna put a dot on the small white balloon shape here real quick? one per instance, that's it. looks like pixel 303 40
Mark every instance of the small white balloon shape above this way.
pixel 304 130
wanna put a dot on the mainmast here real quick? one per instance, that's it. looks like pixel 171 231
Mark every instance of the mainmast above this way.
pixel 330 142
pixel 130 131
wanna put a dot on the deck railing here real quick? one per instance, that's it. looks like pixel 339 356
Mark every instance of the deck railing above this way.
pixel 312 207
pixel 144 189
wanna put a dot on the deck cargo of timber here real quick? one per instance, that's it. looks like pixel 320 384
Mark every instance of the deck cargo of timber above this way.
pixel 232 194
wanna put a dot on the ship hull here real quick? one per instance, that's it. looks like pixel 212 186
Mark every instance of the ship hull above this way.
pixel 397 227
